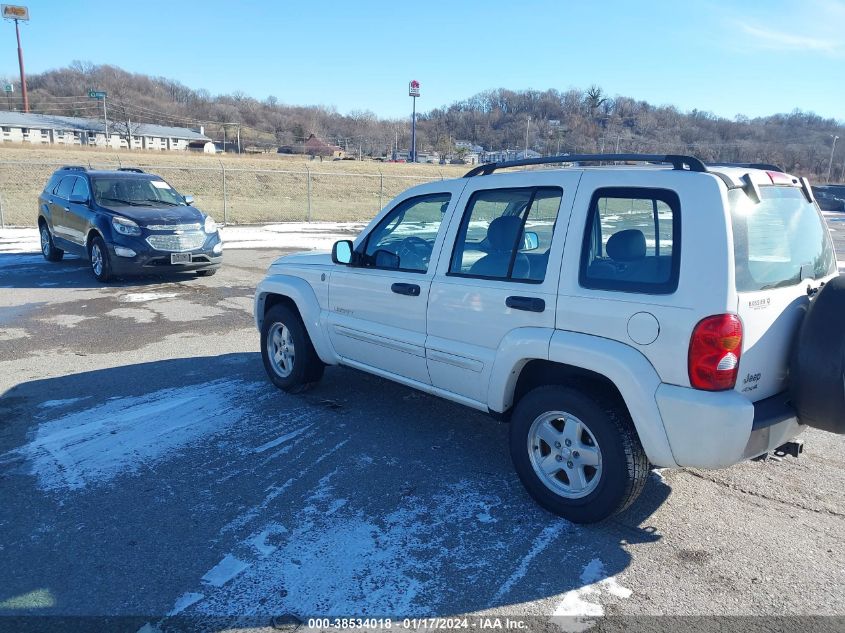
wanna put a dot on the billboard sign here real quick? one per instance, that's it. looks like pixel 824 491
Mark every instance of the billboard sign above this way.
pixel 414 88
pixel 15 12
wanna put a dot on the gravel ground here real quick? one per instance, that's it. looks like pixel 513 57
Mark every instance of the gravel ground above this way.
pixel 149 472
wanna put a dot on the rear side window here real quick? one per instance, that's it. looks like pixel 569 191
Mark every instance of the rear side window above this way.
pixel 52 183
pixel 780 241
pixel 507 234
pixel 65 187
pixel 632 241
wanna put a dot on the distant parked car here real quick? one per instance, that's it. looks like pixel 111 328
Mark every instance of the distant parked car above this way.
pixel 125 221
pixel 830 198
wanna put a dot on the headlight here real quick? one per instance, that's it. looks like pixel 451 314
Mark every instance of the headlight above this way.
pixel 210 225
pixel 125 226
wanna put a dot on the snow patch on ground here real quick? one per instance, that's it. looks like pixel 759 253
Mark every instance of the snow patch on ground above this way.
pixel 13 333
pixel 183 602
pixel 138 297
pixel 52 404
pixel 334 557
pixel 123 435
pixel 574 612
pixel 224 571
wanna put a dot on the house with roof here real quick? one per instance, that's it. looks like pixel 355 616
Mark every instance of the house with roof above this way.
pixel 318 147
pixel 48 129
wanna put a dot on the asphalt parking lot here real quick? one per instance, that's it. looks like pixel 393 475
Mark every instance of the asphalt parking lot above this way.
pixel 148 469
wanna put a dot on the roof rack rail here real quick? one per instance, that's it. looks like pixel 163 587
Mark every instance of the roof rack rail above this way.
pixel 74 167
pixel 136 170
pixel 765 166
pixel 676 160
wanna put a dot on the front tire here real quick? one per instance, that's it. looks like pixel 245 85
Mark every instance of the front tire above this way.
pixel 206 273
pixel 577 456
pixel 98 255
pixel 48 247
pixel 289 357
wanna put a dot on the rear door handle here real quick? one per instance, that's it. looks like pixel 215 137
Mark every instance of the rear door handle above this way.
pixel 529 304
pixel 412 290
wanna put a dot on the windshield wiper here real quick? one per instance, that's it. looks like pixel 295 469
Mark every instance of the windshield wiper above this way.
pixel 131 203
pixel 172 204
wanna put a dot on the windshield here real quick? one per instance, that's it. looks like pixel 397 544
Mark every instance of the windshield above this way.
pixel 780 241
pixel 135 192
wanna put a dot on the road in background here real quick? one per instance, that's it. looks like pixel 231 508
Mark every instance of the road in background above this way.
pixel 148 469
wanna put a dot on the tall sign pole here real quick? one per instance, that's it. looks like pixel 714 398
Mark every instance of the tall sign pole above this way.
pixel 414 92
pixel 100 95
pixel 17 13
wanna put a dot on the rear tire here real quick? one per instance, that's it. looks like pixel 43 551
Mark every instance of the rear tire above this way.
pixel 48 247
pixel 288 354
pixel 577 456
pixel 98 255
pixel 206 273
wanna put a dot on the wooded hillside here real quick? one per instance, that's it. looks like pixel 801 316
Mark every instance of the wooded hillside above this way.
pixel 589 121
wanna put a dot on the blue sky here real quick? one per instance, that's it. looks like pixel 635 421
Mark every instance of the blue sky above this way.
pixel 753 58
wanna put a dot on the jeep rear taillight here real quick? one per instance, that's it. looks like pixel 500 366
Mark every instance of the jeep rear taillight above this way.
pixel 714 351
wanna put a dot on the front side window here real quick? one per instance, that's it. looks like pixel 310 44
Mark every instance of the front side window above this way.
pixel 632 241
pixel 81 189
pixel 507 234
pixel 135 192
pixel 404 239
pixel 780 241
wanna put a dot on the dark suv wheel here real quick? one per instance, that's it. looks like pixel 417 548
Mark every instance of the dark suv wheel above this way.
pixel 48 248
pixel 98 255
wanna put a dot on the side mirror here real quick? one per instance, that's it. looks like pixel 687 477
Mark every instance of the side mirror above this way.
pixel 76 198
pixel 342 252
pixel 530 241
pixel 189 200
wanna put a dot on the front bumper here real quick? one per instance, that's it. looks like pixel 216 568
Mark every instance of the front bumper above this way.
pixel 718 429
pixel 148 260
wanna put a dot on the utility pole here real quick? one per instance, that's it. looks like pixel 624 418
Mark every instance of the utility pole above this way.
pixel 239 139
pixel 832 149
pixel 527 129
pixel 106 120
pixel 414 92
pixel 17 13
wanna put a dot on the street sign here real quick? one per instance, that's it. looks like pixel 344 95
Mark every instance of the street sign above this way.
pixel 554 122
pixel 96 94
pixel 8 88
pixel 414 88
pixel 14 12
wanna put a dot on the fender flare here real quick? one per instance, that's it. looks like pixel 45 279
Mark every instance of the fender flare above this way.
pixel 626 367
pixel 302 294
pixel 634 377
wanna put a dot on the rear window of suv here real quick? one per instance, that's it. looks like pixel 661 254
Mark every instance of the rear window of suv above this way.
pixel 780 241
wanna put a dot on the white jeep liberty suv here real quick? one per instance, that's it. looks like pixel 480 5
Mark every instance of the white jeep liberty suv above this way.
pixel 619 316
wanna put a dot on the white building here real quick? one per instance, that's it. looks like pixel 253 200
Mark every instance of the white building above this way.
pixel 46 129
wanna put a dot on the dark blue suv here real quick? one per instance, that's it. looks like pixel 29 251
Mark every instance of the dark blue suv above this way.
pixel 124 222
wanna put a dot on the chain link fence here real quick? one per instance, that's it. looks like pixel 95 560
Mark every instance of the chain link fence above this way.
pixel 231 195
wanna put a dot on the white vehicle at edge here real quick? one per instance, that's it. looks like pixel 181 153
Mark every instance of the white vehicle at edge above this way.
pixel 620 317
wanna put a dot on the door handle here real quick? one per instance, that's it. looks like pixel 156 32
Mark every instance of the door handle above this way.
pixel 529 304
pixel 412 290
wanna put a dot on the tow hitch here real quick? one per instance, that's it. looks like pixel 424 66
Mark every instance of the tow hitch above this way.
pixel 793 447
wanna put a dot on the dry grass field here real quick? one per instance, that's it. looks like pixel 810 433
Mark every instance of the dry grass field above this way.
pixel 259 188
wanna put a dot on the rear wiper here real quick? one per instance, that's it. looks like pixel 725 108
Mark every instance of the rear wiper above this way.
pixel 172 204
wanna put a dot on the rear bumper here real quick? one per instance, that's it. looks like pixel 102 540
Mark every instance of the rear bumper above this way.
pixel 717 429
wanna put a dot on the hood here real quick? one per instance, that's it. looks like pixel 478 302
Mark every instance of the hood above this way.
pixel 309 258
pixel 159 215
